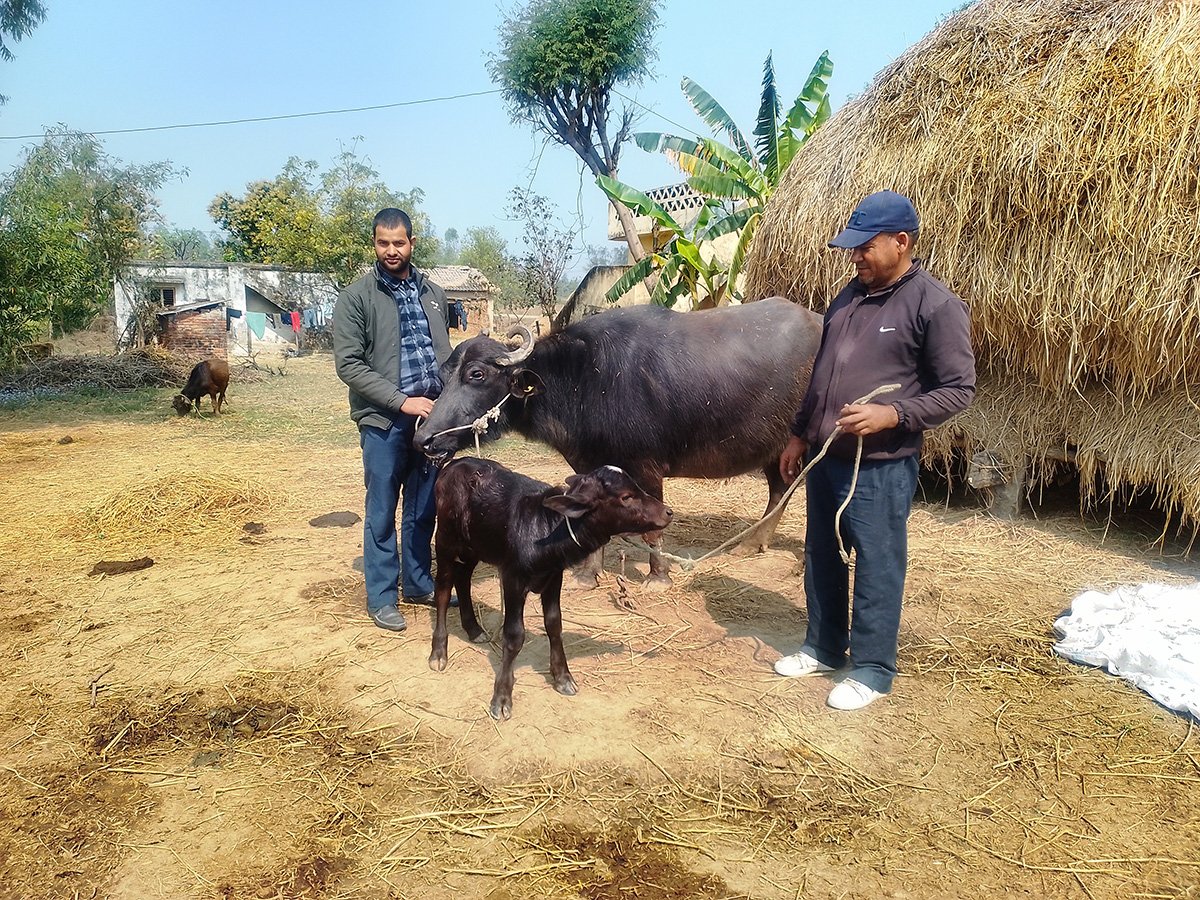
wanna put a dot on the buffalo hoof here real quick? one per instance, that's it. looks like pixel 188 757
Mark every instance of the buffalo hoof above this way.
pixel 437 661
pixel 584 580
pixel 566 686
pixel 658 583
pixel 478 636
pixel 501 709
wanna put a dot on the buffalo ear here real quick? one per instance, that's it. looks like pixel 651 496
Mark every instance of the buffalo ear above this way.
pixel 524 383
pixel 566 505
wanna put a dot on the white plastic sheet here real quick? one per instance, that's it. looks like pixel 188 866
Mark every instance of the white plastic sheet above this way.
pixel 1148 634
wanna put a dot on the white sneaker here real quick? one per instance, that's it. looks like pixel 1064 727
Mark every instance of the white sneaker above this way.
pixel 800 664
pixel 851 694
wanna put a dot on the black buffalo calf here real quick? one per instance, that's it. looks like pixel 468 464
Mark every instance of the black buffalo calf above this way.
pixel 530 532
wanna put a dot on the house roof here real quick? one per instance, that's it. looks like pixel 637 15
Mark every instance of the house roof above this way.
pixel 459 279
pixel 189 307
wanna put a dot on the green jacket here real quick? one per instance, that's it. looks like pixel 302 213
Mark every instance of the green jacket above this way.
pixel 366 345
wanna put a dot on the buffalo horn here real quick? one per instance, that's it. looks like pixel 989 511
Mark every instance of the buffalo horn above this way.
pixel 521 352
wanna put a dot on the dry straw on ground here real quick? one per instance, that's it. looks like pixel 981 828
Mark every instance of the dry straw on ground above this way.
pixel 176 506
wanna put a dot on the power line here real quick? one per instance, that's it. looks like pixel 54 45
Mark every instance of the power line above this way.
pixel 303 115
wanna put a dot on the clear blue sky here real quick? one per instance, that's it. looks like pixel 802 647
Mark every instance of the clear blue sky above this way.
pixel 97 66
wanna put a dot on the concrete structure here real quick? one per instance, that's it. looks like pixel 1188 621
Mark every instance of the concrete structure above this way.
pixel 177 291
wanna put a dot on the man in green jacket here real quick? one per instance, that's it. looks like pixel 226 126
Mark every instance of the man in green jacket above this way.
pixel 390 335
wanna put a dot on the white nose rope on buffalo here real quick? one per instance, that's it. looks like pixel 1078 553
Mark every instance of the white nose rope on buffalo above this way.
pixel 480 425
pixel 686 562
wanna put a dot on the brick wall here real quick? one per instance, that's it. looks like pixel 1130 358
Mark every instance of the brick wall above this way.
pixel 197 334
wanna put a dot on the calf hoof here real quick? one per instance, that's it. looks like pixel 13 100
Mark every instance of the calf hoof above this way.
pixel 566 686
pixel 437 661
pixel 501 709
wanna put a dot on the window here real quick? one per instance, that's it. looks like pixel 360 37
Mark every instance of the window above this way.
pixel 163 295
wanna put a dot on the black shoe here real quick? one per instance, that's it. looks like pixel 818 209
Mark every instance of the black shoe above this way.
pixel 388 617
pixel 426 600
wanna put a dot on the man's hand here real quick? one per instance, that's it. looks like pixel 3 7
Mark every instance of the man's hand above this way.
pixel 789 461
pixel 867 418
pixel 417 406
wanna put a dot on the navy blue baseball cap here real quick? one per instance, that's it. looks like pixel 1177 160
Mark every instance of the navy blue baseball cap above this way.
pixel 883 211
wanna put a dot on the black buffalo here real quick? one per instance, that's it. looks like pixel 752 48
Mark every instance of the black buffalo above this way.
pixel 659 393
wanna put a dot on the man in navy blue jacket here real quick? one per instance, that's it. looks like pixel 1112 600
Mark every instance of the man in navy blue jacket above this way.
pixel 892 324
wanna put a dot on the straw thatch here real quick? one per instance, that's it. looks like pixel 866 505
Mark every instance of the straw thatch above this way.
pixel 1052 148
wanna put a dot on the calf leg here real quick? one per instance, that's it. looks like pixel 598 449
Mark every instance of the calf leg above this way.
pixel 466 609
pixel 514 593
pixel 441 600
pixel 552 616
pixel 215 404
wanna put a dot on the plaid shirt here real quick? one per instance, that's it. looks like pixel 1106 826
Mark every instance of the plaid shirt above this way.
pixel 418 364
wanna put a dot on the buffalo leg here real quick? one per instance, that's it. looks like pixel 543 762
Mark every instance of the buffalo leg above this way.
pixel 587 573
pixel 660 566
pixel 513 593
pixel 466 608
pixel 760 538
pixel 441 599
pixel 552 616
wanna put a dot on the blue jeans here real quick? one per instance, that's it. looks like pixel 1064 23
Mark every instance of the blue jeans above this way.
pixel 393 468
pixel 875 525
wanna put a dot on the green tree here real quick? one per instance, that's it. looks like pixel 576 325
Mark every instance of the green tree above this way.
pixel 306 219
pixel 450 247
pixel 736 179
pixel 559 63
pixel 548 249
pixel 18 18
pixel 484 249
pixel 71 218
pixel 180 244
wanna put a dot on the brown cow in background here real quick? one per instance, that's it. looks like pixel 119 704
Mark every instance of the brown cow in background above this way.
pixel 209 377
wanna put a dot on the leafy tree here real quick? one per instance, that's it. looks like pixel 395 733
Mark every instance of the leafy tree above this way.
pixel 606 256
pixel 305 219
pixel 737 180
pixel 558 64
pixel 484 249
pixel 18 18
pixel 181 244
pixel 450 247
pixel 71 218
pixel 548 249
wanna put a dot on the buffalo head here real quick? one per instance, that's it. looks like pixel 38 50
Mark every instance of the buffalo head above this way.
pixel 479 374
pixel 182 404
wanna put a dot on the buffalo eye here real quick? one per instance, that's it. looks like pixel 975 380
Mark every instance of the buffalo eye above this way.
pixel 474 374
pixel 626 497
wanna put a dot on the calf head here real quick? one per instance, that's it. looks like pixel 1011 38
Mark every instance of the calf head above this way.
pixel 613 503
pixel 479 374
pixel 182 404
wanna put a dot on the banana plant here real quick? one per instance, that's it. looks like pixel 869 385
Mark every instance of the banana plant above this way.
pixel 744 173
pixel 682 268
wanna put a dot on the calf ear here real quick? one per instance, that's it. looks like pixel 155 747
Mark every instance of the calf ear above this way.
pixel 566 505
pixel 524 383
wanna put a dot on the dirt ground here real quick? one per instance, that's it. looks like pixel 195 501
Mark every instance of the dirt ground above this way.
pixel 226 723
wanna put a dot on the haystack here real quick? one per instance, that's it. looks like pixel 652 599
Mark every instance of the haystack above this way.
pixel 1052 148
